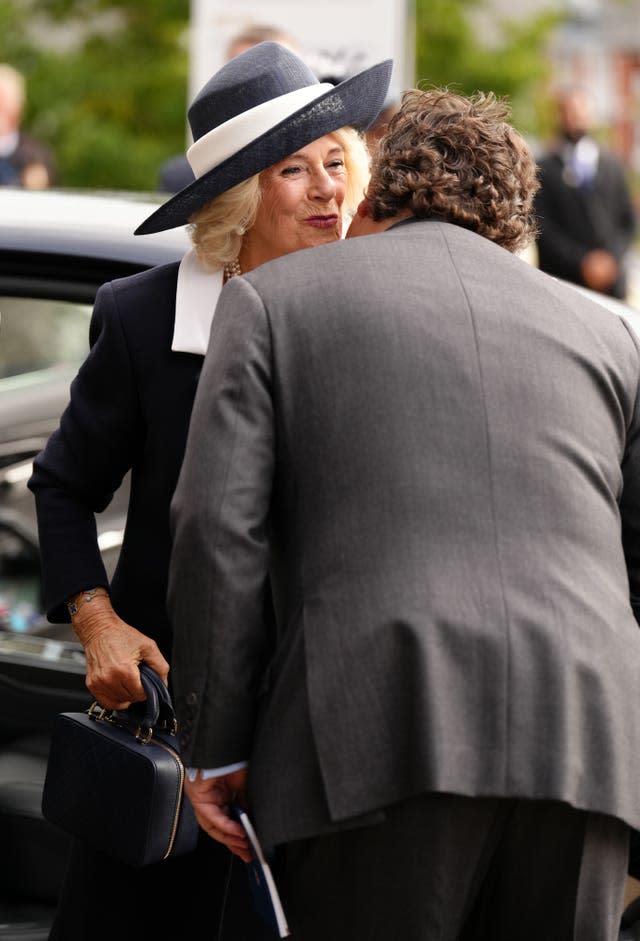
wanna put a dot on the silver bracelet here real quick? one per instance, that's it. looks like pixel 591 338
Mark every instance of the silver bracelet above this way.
pixel 84 597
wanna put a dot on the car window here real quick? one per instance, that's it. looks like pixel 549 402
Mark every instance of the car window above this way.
pixel 38 335
pixel 20 589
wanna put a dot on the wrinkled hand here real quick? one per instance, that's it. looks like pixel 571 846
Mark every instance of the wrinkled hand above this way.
pixel 211 800
pixel 113 650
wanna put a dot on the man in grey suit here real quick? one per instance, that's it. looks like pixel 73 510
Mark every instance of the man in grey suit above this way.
pixel 430 450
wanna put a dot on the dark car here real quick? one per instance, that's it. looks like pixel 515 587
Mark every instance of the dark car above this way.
pixel 56 248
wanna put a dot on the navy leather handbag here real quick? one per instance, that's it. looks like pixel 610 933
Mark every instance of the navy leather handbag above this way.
pixel 116 780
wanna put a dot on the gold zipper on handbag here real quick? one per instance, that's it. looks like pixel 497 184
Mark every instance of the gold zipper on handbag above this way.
pixel 176 815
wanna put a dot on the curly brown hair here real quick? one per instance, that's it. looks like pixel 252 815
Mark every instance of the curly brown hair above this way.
pixel 456 158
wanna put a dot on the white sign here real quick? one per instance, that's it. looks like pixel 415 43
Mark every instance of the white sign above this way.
pixel 335 37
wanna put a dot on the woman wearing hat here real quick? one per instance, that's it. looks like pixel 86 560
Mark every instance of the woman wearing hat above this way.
pixel 278 163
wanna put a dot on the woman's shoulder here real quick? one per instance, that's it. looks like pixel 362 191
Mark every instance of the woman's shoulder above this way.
pixel 154 282
pixel 139 305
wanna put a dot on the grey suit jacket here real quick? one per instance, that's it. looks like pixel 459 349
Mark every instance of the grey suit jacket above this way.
pixel 433 448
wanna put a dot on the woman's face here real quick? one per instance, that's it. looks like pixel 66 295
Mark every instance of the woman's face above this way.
pixel 301 203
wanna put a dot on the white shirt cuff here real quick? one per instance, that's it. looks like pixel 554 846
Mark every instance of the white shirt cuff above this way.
pixel 206 773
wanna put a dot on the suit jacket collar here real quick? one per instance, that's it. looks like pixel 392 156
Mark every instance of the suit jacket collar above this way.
pixel 197 294
pixel 410 220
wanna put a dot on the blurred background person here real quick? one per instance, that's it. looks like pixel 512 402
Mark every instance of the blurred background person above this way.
pixel 260 32
pixel 290 184
pixel 24 161
pixel 176 172
pixel 585 212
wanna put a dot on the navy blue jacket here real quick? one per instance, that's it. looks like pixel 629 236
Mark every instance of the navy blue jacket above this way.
pixel 129 409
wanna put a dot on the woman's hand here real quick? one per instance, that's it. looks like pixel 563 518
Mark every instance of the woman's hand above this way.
pixel 113 650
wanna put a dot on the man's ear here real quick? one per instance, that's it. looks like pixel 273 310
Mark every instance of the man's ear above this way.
pixel 360 220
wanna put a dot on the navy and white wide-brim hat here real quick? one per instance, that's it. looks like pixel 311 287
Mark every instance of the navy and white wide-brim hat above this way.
pixel 257 109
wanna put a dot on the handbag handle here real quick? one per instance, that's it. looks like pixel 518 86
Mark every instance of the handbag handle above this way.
pixel 165 713
pixel 141 718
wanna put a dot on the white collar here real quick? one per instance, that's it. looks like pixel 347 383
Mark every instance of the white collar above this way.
pixel 9 143
pixel 197 294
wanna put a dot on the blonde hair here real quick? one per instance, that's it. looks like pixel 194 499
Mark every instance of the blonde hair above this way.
pixel 357 162
pixel 216 230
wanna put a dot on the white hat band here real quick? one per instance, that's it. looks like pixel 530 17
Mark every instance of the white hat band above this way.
pixel 229 138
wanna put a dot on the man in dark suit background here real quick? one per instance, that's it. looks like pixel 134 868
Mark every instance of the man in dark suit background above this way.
pixel 584 206
pixel 24 161
pixel 432 449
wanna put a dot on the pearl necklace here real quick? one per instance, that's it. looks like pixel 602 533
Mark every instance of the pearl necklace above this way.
pixel 231 269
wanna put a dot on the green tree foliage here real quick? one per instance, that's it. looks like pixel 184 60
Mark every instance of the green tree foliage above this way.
pixel 108 92
pixel 505 56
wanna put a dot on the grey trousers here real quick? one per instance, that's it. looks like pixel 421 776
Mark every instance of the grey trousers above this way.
pixel 448 868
